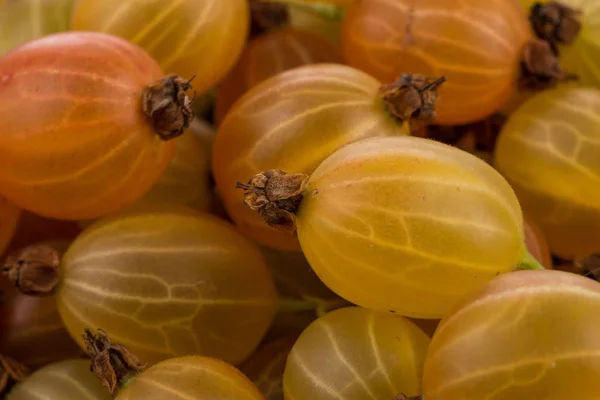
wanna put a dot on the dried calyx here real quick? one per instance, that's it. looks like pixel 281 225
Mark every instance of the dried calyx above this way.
pixel 266 16
pixel 589 266
pixel 112 363
pixel 412 96
pixel 540 66
pixel 11 372
pixel 276 195
pixel 168 106
pixel 555 22
pixel 34 270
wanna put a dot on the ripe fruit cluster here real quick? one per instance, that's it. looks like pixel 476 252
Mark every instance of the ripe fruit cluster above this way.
pixel 299 200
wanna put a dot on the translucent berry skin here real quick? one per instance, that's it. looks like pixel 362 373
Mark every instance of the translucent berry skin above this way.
pixel 302 18
pixel 187 178
pixel 198 378
pixel 269 55
pixel 549 150
pixel 408 225
pixel 201 38
pixel 526 335
pixel 75 142
pixel 25 20
pixel 27 326
pixel 476 44
pixel 63 380
pixel 168 284
pixel 293 121
pixel 9 216
pixel 354 354
pixel 581 56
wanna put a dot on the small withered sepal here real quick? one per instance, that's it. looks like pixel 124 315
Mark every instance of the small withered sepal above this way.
pixel 589 266
pixel 168 106
pixel 11 372
pixel 112 363
pixel 412 96
pixel 541 69
pixel 276 195
pixel 266 16
pixel 555 22
pixel 34 270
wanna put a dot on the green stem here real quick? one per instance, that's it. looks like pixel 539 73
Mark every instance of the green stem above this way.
pixel 529 262
pixel 324 10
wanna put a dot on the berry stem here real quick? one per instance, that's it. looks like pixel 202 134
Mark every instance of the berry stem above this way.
pixel 321 307
pixel 529 262
pixel 323 10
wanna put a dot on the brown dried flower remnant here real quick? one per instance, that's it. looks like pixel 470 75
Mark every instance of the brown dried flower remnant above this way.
pixel 412 96
pixel 276 195
pixel 541 69
pixel 555 22
pixel 34 270
pixel 112 363
pixel 11 372
pixel 167 104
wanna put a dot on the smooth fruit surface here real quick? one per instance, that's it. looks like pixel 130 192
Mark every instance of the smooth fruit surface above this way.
pixel 354 354
pixel 167 284
pixel 408 225
pixel 198 378
pixel 477 45
pixel 25 20
pixel 549 150
pixel 201 38
pixel 70 379
pixel 293 121
pixel 526 335
pixel 74 140
pixel 269 55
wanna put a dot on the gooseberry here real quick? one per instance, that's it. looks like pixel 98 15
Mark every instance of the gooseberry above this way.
pixel 353 353
pixel 165 283
pixel 294 120
pixel 571 25
pixel 25 20
pixel 266 366
pixel 269 55
pixel 190 377
pixel 84 121
pixel 201 38
pixel 400 224
pixel 525 335
pixel 549 150
pixel 480 46
pixel 63 380
pixel 301 18
pixel 9 216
